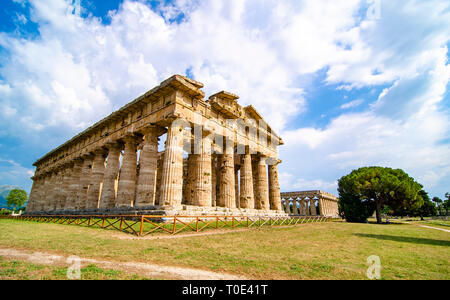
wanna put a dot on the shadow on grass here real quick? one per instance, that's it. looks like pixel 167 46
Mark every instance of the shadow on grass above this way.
pixel 405 239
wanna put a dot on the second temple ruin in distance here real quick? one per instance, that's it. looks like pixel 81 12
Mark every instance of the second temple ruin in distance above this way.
pixel 219 158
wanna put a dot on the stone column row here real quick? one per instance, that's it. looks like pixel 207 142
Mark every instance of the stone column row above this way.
pixel 301 206
pixel 98 180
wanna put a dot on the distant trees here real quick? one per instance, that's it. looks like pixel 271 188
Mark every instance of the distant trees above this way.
pixel 16 198
pixel 368 189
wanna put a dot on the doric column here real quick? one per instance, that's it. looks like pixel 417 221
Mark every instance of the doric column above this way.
pixel 58 188
pixel 33 193
pixel 262 196
pixel 189 179
pixel 108 197
pixel 227 194
pixel 321 206
pixel 171 190
pixel 302 206
pixel 307 211
pixel 159 178
pixel 202 184
pixel 274 187
pixel 127 180
pixel 236 185
pixel 96 179
pixel 287 207
pixel 247 199
pixel 74 186
pixel 312 204
pixel 214 160
pixel 148 162
pixel 185 182
pixel 38 184
pixel 295 206
pixel 43 192
pixel 51 191
pixel 85 177
pixel 65 184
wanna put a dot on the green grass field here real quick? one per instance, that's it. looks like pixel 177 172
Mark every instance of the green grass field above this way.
pixel 334 250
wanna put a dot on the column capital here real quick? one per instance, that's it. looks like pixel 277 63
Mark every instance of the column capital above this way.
pixel 152 129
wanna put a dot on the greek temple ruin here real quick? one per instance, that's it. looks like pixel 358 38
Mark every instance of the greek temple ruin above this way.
pixel 310 203
pixel 167 152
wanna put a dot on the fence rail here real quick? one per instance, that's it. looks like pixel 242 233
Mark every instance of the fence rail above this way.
pixel 148 224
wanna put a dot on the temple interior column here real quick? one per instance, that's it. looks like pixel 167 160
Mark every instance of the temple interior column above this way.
pixel 236 185
pixel 171 190
pixel 97 174
pixel 108 197
pixel 127 180
pixel 227 193
pixel 214 183
pixel 247 199
pixel 190 178
pixel 274 188
pixel 148 161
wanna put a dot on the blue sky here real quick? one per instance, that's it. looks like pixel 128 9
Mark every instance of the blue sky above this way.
pixel 346 83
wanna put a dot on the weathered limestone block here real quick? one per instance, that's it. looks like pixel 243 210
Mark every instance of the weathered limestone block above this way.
pixel 171 192
pixel 247 199
pixel 148 161
pixel 127 180
pixel 262 196
pixel 108 197
pixel 274 188
pixel 97 174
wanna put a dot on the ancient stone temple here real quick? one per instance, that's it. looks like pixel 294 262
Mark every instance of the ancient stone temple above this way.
pixel 167 152
pixel 310 203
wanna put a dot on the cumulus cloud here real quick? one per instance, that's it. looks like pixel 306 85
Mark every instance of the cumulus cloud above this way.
pixel 78 70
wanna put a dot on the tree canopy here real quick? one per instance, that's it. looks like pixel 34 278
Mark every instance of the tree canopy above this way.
pixel 16 198
pixel 368 189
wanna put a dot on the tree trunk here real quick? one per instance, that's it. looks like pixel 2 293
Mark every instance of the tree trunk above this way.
pixel 378 207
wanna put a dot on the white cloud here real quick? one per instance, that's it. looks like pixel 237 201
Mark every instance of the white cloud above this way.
pixel 79 70
pixel 353 103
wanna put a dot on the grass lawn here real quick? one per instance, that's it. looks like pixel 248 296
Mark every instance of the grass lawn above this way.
pixel 334 250
pixel 19 270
